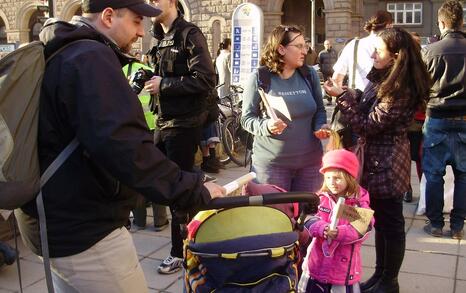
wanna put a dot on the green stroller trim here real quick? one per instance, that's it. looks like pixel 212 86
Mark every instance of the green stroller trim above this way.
pixel 271 251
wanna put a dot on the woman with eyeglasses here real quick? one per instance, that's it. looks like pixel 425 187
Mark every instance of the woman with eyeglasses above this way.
pixel 287 151
pixel 381 116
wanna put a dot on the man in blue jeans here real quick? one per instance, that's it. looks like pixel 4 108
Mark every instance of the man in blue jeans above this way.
pixel 445 127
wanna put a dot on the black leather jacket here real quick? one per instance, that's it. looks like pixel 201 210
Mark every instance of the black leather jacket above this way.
pixel 183 61
pixel 445 62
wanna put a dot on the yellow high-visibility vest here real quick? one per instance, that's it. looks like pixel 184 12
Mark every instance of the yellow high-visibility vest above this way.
pixel 144 96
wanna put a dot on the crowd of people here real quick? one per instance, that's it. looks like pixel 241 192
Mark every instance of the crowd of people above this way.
pixel 138 140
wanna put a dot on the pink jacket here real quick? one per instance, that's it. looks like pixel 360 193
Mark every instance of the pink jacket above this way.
pixel 337 263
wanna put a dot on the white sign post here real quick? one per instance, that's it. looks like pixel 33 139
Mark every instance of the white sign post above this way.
pixel 247 32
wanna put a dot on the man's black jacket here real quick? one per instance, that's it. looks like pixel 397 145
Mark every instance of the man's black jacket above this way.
pixel 85 95
pixel 446 63
pixel 188 76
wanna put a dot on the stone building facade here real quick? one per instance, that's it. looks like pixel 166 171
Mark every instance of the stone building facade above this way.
pixel 336 19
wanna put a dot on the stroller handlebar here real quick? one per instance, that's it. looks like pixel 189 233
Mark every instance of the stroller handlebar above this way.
pixel 265 199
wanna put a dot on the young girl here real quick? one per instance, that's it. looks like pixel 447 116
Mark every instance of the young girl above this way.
pixel 333 261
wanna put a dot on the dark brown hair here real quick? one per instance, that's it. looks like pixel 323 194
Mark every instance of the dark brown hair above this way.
pixel 281 35
pixel 225 44
pixel 379 21
pixel 451 12
pixel 408 73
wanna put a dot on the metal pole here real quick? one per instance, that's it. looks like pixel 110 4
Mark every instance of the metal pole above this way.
pixel 313 24
pixel 51 14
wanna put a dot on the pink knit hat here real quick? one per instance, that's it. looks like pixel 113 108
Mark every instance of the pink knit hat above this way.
pixel 341 159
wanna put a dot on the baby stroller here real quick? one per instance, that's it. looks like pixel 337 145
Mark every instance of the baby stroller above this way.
pixel 245 246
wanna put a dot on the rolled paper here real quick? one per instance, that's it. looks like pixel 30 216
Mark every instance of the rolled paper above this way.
pixel 237 183
pixel 336 214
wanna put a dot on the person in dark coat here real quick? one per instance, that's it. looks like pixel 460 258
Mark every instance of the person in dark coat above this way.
pixel 85 95
pixel 327 58
pixel 445 126
pixel 380 116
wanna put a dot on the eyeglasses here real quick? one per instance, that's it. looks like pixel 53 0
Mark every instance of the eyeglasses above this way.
pixel 301 47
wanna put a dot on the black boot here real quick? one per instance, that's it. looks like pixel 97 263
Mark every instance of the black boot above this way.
pixel 379 262
pixel 395 251
pixel 209 165
pixel 213 157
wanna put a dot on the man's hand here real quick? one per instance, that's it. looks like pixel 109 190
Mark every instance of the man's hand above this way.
pixel 276 126
pixel 215 190
pixel 152 86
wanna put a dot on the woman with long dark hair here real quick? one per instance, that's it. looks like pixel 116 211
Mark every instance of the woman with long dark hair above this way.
pixel 381 115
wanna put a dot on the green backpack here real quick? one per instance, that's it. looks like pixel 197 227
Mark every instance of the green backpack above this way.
pixel 21 74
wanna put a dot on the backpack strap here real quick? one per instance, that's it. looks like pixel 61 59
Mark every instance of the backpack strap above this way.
pixel 308 77
pixel 130 69
pixel 264 78
pixel 355 61
pixel 62 157
pixel 305 72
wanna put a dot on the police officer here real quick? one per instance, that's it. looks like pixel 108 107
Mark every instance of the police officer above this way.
pixel 184 78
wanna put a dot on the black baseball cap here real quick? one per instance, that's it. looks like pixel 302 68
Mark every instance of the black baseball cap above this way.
pixel 138 6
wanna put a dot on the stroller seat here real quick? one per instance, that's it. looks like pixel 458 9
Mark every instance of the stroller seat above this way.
pixel 242 249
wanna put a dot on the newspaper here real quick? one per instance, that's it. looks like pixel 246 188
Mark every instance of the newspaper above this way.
pixel 359 218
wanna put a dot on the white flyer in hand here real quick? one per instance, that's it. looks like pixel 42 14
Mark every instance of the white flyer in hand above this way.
pixel 278 104
pixel 235 184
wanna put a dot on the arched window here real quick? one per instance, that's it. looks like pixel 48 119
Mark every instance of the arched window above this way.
pixel 298 12
pixel 35 24
pixel 216 37
pixel 79 11
pixel 3 38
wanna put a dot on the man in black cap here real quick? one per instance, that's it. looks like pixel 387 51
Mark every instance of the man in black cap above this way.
pixel 87 202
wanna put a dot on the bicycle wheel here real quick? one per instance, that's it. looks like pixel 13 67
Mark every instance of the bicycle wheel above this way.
pixel 231 141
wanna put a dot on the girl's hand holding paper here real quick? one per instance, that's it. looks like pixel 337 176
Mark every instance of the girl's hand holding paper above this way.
pixel 329 233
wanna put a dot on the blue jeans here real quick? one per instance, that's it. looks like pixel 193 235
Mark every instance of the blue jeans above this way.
pixel 444 144
pixel 210 134
pixel 304 179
